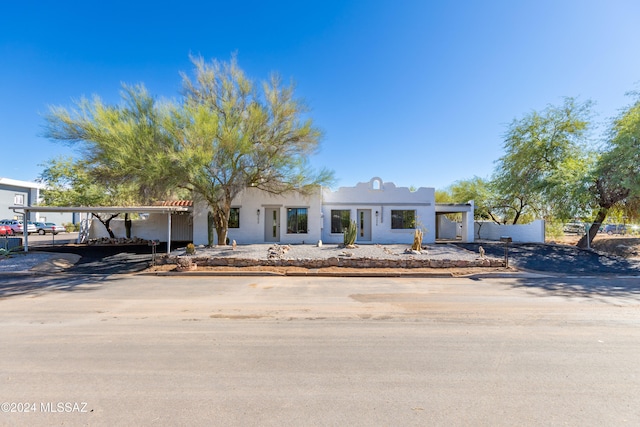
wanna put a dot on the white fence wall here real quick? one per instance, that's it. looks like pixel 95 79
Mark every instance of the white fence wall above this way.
pixel 447 229
pixel 153 228
pixel 522 233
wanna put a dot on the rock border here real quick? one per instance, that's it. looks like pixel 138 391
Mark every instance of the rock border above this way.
pixel 334 262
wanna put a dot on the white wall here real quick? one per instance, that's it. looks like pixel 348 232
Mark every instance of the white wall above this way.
pixel 56 217
pixel 252 223
pixel 447 229
pixel 375 195
pixel 153 228
pixel 522 233
pixel 381 197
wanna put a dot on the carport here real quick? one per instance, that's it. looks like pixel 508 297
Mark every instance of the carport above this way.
pixel 467 211
pixel 168 210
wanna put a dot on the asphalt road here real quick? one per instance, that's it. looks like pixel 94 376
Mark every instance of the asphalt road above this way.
pixel 143 350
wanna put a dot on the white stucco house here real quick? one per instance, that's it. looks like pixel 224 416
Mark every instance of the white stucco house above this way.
pixel 383 213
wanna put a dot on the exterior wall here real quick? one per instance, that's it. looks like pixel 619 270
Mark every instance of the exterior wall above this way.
pixel 447 229
pixel 56 217
pixel 521 233
pixel 11 191
pixel 152 228
pixel 374 200
pixel 380 198
pixel 253 205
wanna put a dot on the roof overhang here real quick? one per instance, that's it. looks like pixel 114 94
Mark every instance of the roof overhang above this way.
pixel 103 209
pixel 453 207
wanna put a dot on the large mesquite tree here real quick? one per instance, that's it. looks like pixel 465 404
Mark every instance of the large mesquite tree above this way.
pixel 256 137
pixel 545 160
pixel 615 181
pixel 226 134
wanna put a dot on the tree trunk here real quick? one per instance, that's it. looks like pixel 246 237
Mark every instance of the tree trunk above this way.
pixel 210 228
pixel 593 230
pixel 106 223
pixel 221 221
pixel 127 225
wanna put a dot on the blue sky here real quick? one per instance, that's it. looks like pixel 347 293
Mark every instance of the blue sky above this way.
pixel 416 92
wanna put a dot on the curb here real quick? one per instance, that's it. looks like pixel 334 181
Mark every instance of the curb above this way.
pixel 311 273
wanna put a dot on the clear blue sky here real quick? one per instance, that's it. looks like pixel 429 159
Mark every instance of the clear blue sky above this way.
pixel 416 92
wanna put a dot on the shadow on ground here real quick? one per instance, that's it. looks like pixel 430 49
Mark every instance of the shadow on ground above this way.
pixel 558 259
pixel 26 285
pixel 603 289
pixel 107 259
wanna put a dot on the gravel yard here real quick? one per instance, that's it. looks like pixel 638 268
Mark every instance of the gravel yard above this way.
pixel 326 251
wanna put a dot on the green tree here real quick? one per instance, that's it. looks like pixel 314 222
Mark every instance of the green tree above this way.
pixel 545 161
pixel 615 181
pixel 480 191
pixel 226 134
pixel 69 183
pixel 256 136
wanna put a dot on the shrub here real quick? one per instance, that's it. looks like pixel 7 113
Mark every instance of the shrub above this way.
pixel 191 249
pixel 70 227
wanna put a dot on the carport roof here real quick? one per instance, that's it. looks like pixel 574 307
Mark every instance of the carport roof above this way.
pixel 103 209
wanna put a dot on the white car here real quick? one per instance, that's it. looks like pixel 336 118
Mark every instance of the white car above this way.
pixel 17 226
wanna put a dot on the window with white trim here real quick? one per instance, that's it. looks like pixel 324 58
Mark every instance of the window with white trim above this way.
pixel 340 219
pixel 234 218
pixel 403 219
pixel 297 220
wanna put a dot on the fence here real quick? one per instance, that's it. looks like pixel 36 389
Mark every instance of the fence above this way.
pixel 532 232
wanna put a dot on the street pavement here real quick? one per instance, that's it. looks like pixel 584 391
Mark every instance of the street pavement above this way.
pixel 284 351
pixel 541 258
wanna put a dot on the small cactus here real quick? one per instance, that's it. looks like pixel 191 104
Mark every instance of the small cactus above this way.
pixel 417 240
pixel 350 234
pixel 191 249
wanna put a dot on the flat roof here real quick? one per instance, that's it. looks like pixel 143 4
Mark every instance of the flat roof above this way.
pixel 103 209
pixel 23 184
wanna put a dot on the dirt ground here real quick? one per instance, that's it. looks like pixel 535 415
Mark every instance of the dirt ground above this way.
pixel 342 271
pixel 623 246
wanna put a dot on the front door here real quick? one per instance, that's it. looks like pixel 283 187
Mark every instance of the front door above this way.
pixel 272 225
pixel 364 225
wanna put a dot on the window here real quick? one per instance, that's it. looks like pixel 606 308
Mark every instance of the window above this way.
pixel 18 199
pixel 234 218
pixel 340 220
pixel 296 220
pixel 403 219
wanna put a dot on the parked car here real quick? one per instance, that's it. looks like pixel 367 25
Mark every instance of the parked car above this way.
pixel 17 226
pixel 5 230
pixel 48 227
pixel 615 229
pixel 574 227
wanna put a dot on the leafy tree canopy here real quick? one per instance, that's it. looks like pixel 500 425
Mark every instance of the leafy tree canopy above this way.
pixel 225 134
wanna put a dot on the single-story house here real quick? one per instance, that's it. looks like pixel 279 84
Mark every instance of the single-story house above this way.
pixel 383 213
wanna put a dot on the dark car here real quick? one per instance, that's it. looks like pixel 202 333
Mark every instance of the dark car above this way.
pixel 48 227
pixel 615 229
